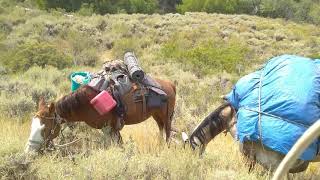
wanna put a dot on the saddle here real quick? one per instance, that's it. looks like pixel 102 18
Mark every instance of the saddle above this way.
pixel 116 79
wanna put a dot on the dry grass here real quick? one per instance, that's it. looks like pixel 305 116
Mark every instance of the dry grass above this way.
pixel 13 137
pixel 141 157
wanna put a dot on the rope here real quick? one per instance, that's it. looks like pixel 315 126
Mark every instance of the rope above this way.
pixel 274 116
pixel 67 144
pixel 259 107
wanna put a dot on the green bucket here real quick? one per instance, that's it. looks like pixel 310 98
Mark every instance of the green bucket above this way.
pixel 78 79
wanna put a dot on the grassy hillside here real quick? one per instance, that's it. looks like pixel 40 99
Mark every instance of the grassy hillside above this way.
pixel 204 54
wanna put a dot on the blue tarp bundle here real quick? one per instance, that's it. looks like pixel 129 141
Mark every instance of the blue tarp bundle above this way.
pixel 286 92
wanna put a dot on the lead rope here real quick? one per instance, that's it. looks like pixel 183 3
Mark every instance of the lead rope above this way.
pixel 259 109
pixel 47 140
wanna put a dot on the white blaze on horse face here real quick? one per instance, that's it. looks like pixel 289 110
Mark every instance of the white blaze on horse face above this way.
pixel 184 137
pixel 35 138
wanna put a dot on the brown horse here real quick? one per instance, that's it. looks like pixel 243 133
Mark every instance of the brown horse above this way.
pixel 76 107
pixel 223 119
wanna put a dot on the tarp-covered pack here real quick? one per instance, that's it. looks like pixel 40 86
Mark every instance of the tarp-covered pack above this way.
pixel 278 103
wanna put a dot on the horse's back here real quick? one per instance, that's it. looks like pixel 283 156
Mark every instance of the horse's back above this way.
pixel 138 111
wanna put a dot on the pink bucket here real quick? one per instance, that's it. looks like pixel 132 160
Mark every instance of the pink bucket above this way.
pixel 103 102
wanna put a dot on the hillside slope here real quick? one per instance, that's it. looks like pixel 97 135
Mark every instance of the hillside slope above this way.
pixel 204 54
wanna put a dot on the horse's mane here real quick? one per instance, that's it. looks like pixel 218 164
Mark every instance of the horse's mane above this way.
pixel 75 102
pixel 211 118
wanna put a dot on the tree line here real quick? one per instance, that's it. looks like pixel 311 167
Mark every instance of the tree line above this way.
pixel 298 10
pixel 111 6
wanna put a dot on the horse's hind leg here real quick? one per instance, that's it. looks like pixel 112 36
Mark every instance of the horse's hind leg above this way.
pixel 170 111
pixel 168 119
pixel 160 125
pixel 168 128
pixel 164 114
pixel 164 121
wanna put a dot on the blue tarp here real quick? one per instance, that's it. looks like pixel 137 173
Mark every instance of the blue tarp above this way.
pixel 287 90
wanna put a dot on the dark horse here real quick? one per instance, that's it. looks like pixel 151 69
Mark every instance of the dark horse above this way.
pixel 223 119
pixel 76 107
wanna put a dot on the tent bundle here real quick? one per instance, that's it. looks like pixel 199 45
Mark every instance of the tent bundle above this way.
pixel 278 103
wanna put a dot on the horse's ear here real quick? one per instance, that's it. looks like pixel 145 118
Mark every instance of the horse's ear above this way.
pixel 51 107
pixel 42 102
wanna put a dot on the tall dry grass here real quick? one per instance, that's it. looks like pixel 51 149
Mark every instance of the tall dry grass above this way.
pixel 142 156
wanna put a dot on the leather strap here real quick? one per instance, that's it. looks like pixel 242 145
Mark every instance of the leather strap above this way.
pixel 144 103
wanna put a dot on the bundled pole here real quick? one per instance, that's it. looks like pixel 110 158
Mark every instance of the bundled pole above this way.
pixel 135 71
pixel 303 142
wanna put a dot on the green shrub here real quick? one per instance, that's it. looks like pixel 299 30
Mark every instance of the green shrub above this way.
pixel 82 47
pixel 8 3
pixel 86 10
pixel 221 6
pixel 191 6
pixel 207 57
pixel 48 75
pixel 20 93
pixel 5 26
pixel 14 86
pixel 47 92
pixel 143 6
pixel 315 56
pixel 306 10
pixel 281 8
pixel 106 6
pixel 87 7
pixel 29 54
pixel 88 57
pixel 212 6
pixel 314 13
pixel 16 106
pixel 126 44
pixel 69 5
pixel 44 82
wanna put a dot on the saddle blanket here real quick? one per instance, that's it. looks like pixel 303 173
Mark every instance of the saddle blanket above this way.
pixel 278 103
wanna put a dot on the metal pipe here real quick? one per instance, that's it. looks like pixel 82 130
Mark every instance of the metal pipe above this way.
pixel 303 142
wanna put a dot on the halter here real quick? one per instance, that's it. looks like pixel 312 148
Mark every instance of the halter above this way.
pixel 57 120
pixel 216 124
pixel 55 117
pixel 230 125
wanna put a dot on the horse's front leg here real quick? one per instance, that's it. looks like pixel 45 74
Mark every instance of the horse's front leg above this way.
pixel 111 136
pixel 107 140
pixel 116 137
